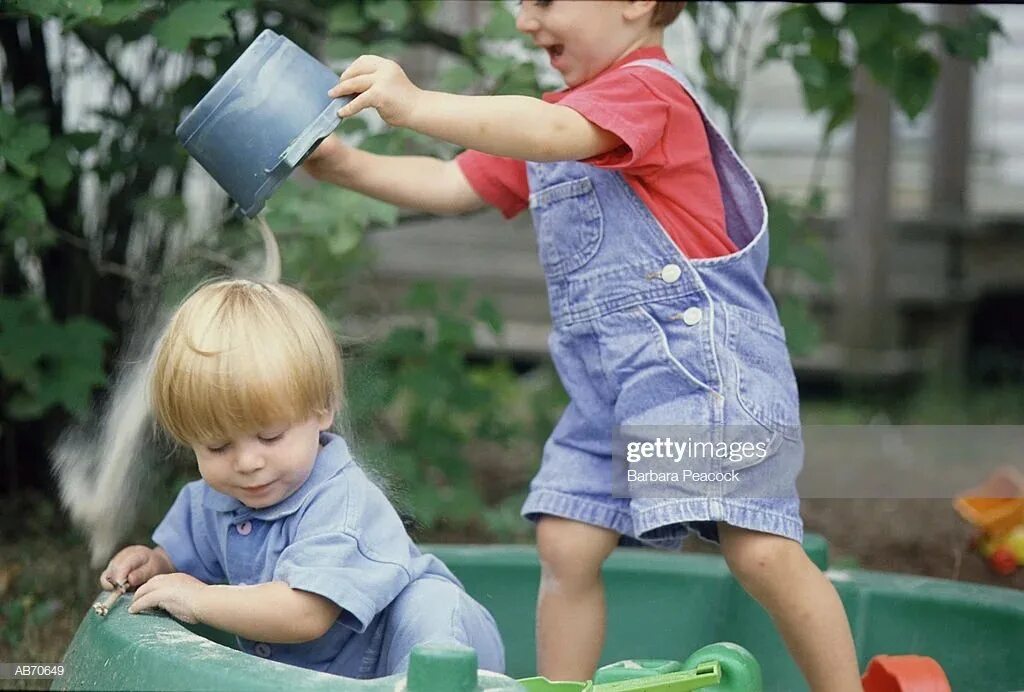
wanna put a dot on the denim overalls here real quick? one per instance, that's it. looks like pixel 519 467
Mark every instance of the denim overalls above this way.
pixel 643 336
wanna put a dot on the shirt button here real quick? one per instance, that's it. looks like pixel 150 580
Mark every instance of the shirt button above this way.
pixel 245 528
pixel 692 316
pixel 262 649
pixel 670 273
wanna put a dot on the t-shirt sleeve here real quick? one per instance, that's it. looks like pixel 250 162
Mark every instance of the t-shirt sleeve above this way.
pixel 184 534
pixel 626 105
pixel 350 547
pixel 500 181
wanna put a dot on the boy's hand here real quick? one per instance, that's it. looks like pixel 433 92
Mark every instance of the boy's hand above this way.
pixel 176 593
pixel 381 84
pixel 134 566
pixel 328 156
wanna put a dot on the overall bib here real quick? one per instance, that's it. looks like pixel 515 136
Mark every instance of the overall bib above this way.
pixel 644 336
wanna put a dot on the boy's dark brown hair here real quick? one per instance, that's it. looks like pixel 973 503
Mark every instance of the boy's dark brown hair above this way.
pixel 666 12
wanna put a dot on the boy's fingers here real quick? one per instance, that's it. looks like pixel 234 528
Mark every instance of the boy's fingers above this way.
pixel 353 85
pixel 355 105
pixel 144 602
pixel 362 65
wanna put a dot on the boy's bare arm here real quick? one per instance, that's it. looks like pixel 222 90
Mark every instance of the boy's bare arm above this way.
pixel 415 182
pixel 516 126
pixel 272 612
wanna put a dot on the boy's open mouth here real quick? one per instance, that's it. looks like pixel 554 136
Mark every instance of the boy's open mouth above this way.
pixel 555 50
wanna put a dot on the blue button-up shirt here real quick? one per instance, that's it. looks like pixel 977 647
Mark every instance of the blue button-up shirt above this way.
pixel 336 536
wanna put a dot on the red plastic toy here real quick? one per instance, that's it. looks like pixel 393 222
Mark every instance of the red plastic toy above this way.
pixel 904 674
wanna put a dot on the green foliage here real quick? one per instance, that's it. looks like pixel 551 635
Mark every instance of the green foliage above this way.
pixel 890 40
pixel 48 363
pixel 895 46
pixel 435 400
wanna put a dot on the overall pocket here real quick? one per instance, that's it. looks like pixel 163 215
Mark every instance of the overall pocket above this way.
pixel 569 225
pixel 765 383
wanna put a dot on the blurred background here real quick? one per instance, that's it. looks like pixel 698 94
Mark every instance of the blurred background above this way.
pixel 889 139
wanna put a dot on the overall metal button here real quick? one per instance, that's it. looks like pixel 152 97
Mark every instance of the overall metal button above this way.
pixel 692 316
pixel 670 273
pixel 245 528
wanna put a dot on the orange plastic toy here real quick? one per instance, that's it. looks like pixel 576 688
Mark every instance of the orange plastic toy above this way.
pixel 996 509
pixel 904 674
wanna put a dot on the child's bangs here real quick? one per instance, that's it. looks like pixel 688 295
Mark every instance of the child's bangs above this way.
pixel 232 392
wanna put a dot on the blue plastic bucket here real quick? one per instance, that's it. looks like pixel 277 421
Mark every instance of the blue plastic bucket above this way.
pixel 261 119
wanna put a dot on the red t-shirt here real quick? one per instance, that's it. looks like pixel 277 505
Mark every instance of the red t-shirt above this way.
pixel 665 157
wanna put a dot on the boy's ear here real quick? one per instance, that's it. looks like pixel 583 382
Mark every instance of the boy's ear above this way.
pixel 635 9
pixel 325 420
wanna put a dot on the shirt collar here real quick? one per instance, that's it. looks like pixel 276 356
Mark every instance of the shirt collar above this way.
pixel 332 458
pixel 645 53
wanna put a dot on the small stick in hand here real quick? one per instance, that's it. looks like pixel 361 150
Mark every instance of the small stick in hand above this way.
pixel 102 607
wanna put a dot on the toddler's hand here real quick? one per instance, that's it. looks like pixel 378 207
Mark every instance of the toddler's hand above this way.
pixel 134 566
pixel 175 593
pixel 381 84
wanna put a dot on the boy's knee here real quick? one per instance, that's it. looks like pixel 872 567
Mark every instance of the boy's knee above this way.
pixel 753 556
pixel 571 551
pixel 435 610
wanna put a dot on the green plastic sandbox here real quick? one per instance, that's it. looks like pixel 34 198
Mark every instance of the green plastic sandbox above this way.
pixel 660 606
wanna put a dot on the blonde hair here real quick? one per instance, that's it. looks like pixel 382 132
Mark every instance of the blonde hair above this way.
pixel 242 355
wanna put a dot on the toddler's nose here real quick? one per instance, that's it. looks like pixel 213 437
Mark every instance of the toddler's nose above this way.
pixel 248 461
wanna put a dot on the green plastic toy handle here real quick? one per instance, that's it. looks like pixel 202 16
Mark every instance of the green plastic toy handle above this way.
pixel 740 670
pixel 698 677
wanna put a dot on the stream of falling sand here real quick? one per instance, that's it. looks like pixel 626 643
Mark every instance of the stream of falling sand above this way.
pixel 99 466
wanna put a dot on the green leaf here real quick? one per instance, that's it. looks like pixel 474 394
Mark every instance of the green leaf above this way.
pixel 345 47
pixel 117 11
pixel 502 24
pixel 868 23
pixel 394 14
pixel 812 71
pixel 422 296
pixel 458 78
pixel 8 124
pixel 23 144
pixel 915 81
pixel 82 140
pixel 346 18
pixel 12 188
pixel 487 313
pixel 54 167
pixel 193 19
pixel 494 66
pixel 791 25
pixel 344 240
pixel 802 331
pixel 31 209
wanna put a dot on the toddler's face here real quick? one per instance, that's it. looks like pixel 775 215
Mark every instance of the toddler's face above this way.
pixel 582 37
pixel 262 468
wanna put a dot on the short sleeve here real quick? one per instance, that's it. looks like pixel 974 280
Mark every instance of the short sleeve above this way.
pixel 636 111
pixel 184 534
pixel 350 547
pixel 499 180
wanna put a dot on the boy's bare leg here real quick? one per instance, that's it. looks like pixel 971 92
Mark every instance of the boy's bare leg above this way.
pixel 571 605
pixel 802 602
